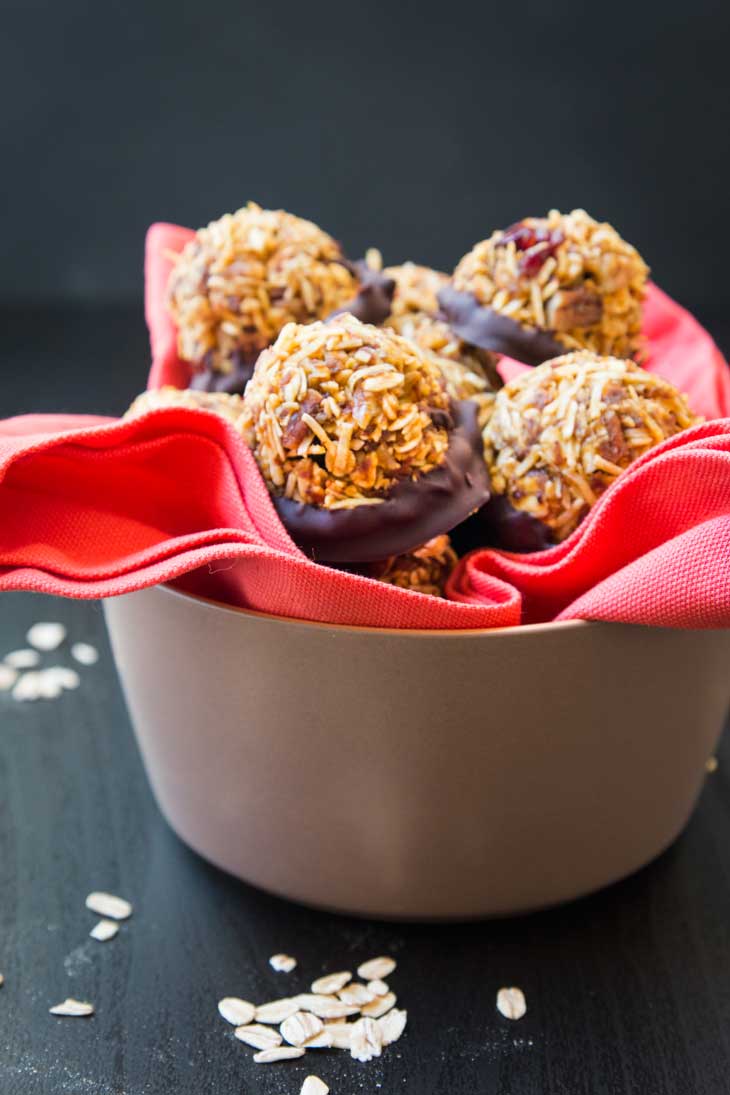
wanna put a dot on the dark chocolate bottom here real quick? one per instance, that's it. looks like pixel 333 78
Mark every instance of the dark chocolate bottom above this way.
pixel 374 300
pixel 412 513
pixel 207 379
pixel 490 330
pixel 499 525
pixel 488 361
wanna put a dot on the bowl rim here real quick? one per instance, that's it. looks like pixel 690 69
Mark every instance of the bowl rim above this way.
pixel 213 605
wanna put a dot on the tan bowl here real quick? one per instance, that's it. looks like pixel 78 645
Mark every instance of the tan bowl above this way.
pixel 419 774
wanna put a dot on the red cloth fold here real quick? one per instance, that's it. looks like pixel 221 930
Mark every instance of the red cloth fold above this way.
pixel 115 506
pixel 163 242
pixel 95 508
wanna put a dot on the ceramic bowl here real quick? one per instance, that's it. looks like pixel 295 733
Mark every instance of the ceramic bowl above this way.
pixel 418 774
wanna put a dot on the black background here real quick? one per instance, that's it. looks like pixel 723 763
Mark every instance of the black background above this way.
pixel 413 126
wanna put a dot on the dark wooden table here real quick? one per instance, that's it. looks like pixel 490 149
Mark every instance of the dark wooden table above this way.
pixel 628 991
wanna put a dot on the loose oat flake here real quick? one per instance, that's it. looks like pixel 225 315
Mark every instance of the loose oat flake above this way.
pixel 711 765
pixel 46 636
pixel 340 1034
pixel 331 982
pixel 235 1011
pixel 45 684
pixel 326 1007
pixel 281 1053
pixel 376 969
pixel 48 687
pixel 511 1003
pixel 76 1008
pixel 392 1026
pixel 276 1011
pixel 283 963
pixel 312 1001
pixel 378 987
pixel 301 1027
pixel 323 1040
pixel 366 1040
pixel 109 906
pixel 27 687
pixel 62 676
pixel 258 1037
pixel 314 1086
pixel 379 1006
pixel 22 659
pixel 8 677
pixel 104 930
pixel 85 653
pixel 356 994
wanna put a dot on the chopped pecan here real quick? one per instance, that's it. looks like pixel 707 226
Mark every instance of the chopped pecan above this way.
pixel 613 392
pixel 614 448
pixel 570 308
pixel 296 430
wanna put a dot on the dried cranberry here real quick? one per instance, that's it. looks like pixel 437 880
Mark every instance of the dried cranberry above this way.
pixel 531 261
pixel 521 234
pixel 536 242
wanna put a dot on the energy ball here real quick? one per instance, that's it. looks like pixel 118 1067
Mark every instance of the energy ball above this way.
pixel 549 284
pixel 424 570
pixel 469 372
pixel 562 433
pixel 221 403
pixel 416 290
pixel 364 452
pixel 241 279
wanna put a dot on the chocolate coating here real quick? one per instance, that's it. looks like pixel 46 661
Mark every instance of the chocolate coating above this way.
pixel 374 298
pixel 234 383
pixel 503 526
pixel 490 330
pixel 412 513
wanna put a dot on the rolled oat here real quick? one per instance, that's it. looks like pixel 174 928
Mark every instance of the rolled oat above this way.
pixel 237 1012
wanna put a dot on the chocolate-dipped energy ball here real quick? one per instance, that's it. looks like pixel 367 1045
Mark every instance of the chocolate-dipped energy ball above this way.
pixel 560 435
pixel 363 451
pixel 547 284
pixel 469 372
pixel 423 570
pixel 227 406
pixel 241 279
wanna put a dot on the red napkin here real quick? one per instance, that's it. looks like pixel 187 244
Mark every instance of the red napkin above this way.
pixel 95 508
pixel 163 242
pixel 105 507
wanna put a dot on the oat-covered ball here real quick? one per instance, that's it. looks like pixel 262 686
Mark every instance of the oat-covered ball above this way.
pixel 424 570
pixel 561 433
pixel 547 284
pixel 468 372
pixel 337 413
pixel 227 406
pixel 345 416
pixel 241 279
